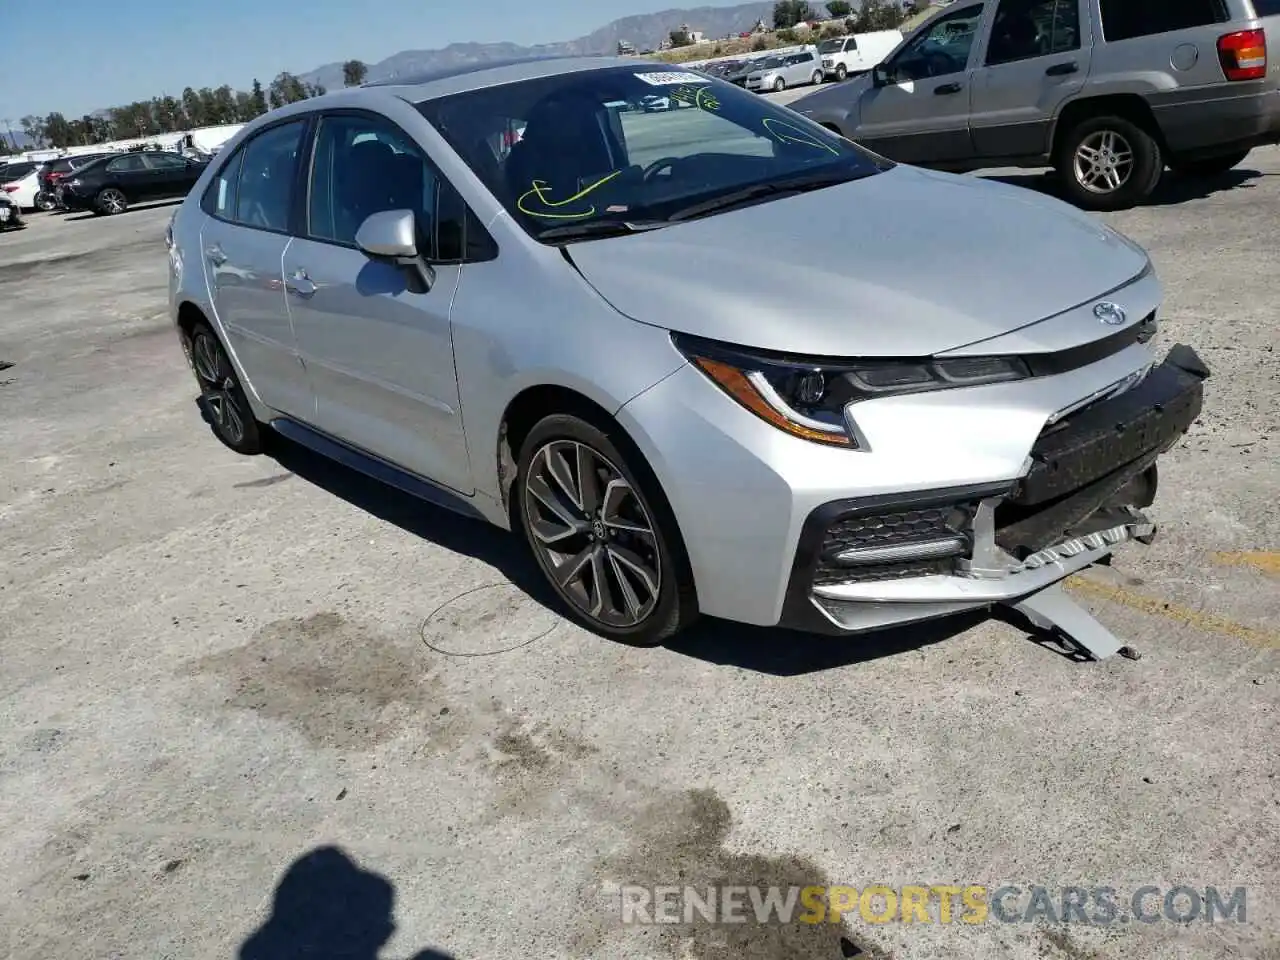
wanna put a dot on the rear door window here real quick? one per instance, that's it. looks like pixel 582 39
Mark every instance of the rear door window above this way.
pixel 1026 29
pixel 264 191
pixel 1126 19
pixel 129 163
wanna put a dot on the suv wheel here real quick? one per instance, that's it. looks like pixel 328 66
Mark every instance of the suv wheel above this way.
pixel 222 399
pixel 1210 167
pixel 816 79
pixel 601 533
pixel 1108 163
pixel 842 72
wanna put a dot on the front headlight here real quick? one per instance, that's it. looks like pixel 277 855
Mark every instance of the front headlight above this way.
pixel 806 397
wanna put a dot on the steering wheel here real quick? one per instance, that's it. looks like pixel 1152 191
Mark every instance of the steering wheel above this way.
pixel 939 64
pixel 658 165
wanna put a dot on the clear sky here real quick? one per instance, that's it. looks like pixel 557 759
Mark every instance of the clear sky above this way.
pixel 80 55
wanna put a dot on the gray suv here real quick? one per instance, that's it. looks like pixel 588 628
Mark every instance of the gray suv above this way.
pixel 1108 92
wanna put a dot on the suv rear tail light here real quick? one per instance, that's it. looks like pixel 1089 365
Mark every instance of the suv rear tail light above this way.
pixel 10 188
pixel 1244 55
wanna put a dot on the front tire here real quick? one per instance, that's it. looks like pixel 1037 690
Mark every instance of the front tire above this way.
pixel 602 533
pixel 222 399
pixel 1210 167
pixel 1108 163
pixel 779 85
pixel 110 201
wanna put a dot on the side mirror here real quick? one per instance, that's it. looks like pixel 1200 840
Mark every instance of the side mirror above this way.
pixel 391 236
pixel 880 76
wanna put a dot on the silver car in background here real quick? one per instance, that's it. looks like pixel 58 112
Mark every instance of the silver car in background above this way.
pixel 578 335
pixel 791 70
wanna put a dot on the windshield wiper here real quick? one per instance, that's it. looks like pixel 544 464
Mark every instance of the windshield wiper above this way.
pixel 792 185
pixel 595 229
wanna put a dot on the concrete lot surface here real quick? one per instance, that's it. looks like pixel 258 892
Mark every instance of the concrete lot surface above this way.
pixel 213 669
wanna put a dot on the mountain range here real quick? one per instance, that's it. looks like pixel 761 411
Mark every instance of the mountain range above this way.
pixel 644 31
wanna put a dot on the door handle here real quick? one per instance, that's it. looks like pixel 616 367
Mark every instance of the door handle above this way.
pixel 300 284
pixel 215 255
pixel 1062 69
pixel 947 88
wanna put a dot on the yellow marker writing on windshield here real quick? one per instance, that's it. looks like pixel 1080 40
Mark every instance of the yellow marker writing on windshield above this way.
pixel 540 190
pixel 792 134
pixel 701 97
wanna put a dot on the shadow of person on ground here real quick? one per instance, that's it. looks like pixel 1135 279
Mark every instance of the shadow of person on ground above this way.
pixel 328 908
pixel 1172 190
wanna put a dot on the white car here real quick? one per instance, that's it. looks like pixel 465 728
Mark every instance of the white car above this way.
pixel 21 183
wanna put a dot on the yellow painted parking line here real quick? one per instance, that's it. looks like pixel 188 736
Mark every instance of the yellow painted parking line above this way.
pixel 1268 561
pixel 1172 611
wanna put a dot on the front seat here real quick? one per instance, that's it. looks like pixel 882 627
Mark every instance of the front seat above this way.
pixel 563 147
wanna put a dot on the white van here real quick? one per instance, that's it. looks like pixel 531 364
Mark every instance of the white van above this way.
pixel 849 56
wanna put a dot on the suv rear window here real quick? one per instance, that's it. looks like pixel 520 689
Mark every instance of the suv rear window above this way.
pixel 1126 19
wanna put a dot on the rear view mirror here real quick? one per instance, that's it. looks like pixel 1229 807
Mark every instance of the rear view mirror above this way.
pixel 391 236
pixel 880 75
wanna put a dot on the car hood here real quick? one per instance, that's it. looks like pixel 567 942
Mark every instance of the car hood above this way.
pixel 904 263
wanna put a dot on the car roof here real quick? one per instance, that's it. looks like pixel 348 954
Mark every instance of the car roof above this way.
pixel 430 85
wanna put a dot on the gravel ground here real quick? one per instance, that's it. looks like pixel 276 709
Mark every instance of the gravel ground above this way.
pixel 220 673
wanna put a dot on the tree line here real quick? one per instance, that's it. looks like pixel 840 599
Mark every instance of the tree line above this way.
pixel 205 107
pixel 871 15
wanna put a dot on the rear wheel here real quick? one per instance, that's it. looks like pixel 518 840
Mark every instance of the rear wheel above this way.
pixel 1108 163
pixel 222 399
pixel 110 201
pixel 45 202
pixel 602 534
pixel 1211 166
pixel 816 79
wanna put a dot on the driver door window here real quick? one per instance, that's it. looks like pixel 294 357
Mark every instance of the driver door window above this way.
pixel 939 50
pixel 365 165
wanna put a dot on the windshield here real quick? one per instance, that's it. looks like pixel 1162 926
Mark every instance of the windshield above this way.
pixel 580 147
pixel 831 46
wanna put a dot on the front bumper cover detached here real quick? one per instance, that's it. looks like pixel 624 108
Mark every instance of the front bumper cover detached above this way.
pixel 867 563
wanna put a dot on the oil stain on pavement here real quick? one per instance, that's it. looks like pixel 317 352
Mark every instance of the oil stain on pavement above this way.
pixel 679 841
pixel 339 684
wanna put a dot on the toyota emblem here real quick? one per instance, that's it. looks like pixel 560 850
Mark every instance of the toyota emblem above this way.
pixel 1112 314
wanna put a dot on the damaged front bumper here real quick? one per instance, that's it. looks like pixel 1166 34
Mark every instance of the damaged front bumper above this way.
pixel 868 563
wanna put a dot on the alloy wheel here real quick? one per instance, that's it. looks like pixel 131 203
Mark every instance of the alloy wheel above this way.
pixel 112 201
pixel 593 534
pixel 220 393
pixel 1104 162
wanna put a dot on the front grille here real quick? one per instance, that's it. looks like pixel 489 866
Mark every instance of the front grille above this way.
pixel 828 573
pixel 891 529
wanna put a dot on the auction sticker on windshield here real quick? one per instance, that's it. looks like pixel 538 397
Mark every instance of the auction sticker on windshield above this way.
pixel 668 79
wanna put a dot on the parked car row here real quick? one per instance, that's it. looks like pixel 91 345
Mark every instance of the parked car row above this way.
pixel 104 183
